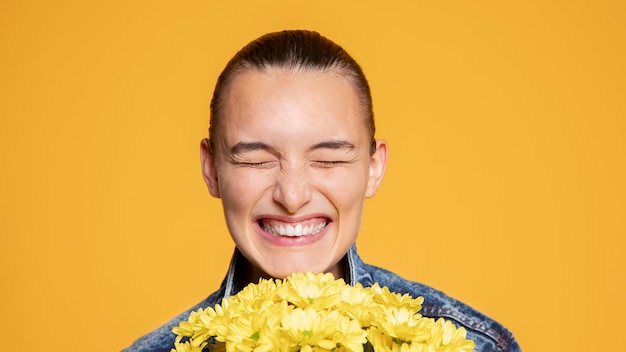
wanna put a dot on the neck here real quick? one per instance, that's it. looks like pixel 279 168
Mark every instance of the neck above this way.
pixel 247 273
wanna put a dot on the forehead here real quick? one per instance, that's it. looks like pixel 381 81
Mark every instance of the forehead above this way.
pixel 290 99
pixel 247 82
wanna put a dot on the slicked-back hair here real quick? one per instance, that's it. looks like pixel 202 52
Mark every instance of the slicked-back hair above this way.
pixel 297 50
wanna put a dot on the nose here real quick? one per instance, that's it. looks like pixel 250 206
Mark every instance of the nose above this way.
pixel 292 190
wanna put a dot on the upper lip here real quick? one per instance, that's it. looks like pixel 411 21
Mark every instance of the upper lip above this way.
pixel 292 219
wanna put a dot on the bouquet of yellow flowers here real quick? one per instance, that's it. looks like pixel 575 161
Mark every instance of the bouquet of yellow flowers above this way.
pixel 307 312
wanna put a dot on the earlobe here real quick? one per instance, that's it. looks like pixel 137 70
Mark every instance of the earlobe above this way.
pixel 209 172
pixel 378 164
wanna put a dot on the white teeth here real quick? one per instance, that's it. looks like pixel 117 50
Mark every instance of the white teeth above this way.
pixel 294 231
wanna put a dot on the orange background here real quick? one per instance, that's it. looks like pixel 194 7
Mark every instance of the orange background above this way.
pixel 505 188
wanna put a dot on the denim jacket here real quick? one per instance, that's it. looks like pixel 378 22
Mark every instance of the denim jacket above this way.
pixel 486 333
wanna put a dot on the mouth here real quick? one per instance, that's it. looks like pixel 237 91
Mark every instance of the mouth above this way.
pixel 298 229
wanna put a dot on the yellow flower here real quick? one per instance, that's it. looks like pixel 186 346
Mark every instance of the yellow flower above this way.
pixel 213 322
pixel 356 294
pixel 196 327
pixel 311 313
pixel 250 331
pixel 357 303
pixel 258 295
pixel 402 325
pixel 308 327
pixel 449 338
pixel 187 328
pixel 349 336
pixel 391 299
pixel 380 341
pixel 321 291
pixel 326 330
pixel 185 347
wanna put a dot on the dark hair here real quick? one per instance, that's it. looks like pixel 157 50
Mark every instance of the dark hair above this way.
pixel 297 50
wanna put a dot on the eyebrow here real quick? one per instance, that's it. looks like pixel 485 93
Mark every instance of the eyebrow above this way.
pixel 333 144
pixel 243 147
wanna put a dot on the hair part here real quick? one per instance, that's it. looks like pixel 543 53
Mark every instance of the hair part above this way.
pixel 297 50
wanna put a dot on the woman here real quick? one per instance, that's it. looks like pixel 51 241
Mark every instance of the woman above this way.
pixel 291 153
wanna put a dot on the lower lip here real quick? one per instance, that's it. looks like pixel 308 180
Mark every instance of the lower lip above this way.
pixel 288 241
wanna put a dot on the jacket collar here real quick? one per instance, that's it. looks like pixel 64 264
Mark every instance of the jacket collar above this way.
pixel 355 271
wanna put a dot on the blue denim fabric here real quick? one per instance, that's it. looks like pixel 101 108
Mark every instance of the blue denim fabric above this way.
pixel 486 333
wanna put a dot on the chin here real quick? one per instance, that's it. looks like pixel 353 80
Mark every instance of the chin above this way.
pixel 281 273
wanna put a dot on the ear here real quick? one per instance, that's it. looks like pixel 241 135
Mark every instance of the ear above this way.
pixel 209 172
pixel 378 164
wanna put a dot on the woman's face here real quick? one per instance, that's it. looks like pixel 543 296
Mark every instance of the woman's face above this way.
pixel 292 165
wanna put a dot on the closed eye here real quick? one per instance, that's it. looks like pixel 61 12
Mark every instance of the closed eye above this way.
pixel 329 163
pixel 257 164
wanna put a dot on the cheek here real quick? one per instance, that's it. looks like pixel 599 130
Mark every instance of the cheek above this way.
pixel 345 187
pixel 239 189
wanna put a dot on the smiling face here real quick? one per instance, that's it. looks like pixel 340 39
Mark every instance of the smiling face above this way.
pixel 292 163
